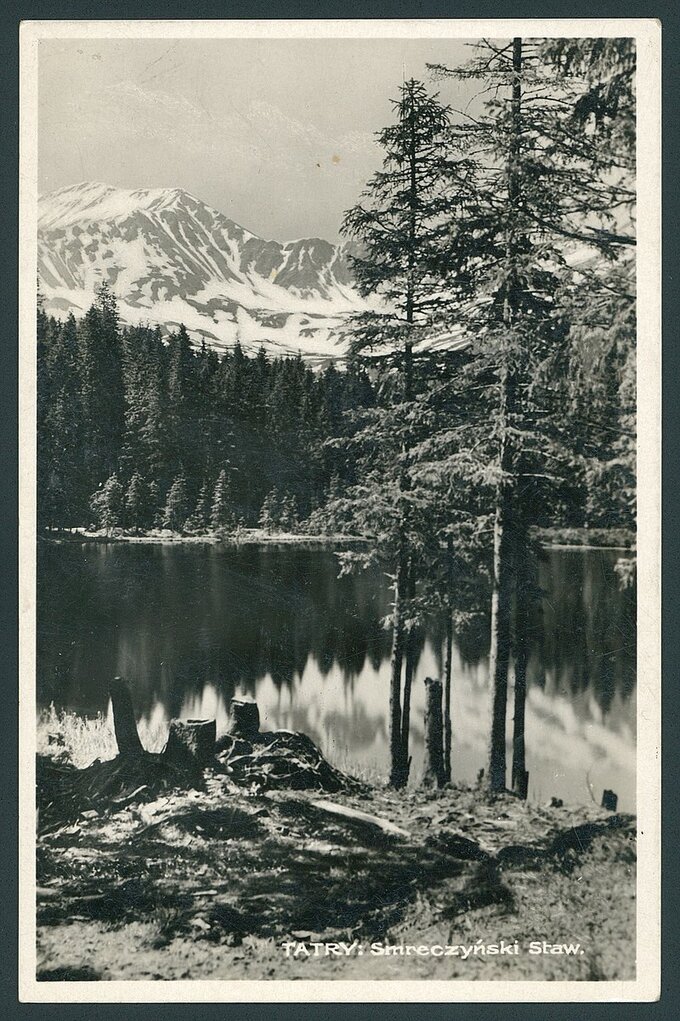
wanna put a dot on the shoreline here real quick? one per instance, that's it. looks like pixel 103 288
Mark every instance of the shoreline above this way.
pixel 617 539
pixel 587 538
pixel 247 537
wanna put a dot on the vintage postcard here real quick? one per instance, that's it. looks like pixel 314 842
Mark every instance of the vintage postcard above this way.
pixel 340 498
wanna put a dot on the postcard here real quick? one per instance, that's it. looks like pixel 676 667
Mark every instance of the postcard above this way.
pixel 340 510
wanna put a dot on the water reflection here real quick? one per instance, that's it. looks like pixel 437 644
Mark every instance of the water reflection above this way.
pixel 191 627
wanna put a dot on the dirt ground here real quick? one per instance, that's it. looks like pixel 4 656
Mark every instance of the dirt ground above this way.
pixel 229 882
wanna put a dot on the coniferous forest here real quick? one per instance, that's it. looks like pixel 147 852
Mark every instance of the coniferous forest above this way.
pixel 138 433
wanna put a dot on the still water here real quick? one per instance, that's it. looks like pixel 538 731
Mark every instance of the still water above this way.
pixel 192 626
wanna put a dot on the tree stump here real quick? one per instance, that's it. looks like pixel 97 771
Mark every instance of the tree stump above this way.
pixel 124 724
pixel 434 774
pixel 245 719
pixel 191 739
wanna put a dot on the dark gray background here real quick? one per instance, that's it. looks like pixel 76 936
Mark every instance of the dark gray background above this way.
pixel 11 13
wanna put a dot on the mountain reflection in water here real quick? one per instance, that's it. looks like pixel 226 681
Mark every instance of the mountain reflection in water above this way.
pixel 192 626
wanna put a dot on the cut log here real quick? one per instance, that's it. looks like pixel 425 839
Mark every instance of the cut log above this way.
pixel 191 739
pixel 124 724
pixel 434 774
pixel 245 719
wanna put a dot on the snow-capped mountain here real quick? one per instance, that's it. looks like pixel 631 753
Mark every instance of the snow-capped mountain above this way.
pixel 169 259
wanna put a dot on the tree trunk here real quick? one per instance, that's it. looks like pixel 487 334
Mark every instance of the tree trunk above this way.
pixel 409 674
pixel 499 655
pixel 519 775
pixel 448 662
pixel 447 697
pixel 399 763
pixel 501 597
pixel 434 750
pixel 409 671
pixel 504 540
pixel 124 724
pixel 396 758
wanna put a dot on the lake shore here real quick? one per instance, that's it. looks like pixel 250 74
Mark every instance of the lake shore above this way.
pixel 554 538
pixel 222 881
pixel 241 537
pixel 587 538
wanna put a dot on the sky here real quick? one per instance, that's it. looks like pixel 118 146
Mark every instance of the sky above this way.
pixel 278 134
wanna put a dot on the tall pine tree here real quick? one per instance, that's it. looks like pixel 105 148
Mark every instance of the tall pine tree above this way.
pixel 542 187
pixel 402 228
pixel 101 387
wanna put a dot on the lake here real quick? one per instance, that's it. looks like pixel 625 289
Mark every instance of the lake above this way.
pixel 191 626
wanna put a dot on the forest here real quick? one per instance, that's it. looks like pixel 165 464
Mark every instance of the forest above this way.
pixel 137 432
pixel 491 394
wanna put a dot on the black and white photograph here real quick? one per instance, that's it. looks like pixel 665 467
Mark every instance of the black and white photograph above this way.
pixel 339 510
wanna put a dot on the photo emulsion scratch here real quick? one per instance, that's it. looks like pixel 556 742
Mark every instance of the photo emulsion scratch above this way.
pixel 341 376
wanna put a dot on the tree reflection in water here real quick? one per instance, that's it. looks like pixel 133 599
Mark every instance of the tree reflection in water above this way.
pixel 190 626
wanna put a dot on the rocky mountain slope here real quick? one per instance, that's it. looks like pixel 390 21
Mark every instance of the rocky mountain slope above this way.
pixel 169 259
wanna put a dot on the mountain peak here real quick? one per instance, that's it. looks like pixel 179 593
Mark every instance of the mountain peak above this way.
pixel 94 201
pixel 170 258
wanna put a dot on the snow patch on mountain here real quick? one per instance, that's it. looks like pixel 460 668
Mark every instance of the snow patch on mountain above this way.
pixel 169 258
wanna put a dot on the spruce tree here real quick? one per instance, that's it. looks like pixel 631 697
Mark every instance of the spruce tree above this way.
pixel 402 227
pixel 137 503
pixel 108 505
pixel 102 386
pixel 176 509
pixel 182 435
pixel 544 185
pixel 145 447
pixel 60 468
pixel 288 515
pixel 270 511
pixel 222 515
pixel 155 515
pixel 200 519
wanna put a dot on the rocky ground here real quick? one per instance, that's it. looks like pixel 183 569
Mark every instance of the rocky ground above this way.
pixel 240 877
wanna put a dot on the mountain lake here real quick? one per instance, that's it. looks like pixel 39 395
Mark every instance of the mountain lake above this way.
pixel 191 626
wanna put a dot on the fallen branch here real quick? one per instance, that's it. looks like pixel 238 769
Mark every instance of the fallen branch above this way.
pixel 333 808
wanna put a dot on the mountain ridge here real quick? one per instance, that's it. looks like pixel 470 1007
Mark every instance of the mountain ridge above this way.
pixel 170 258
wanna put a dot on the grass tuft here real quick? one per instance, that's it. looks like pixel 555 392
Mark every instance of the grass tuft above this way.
pixel 83 739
